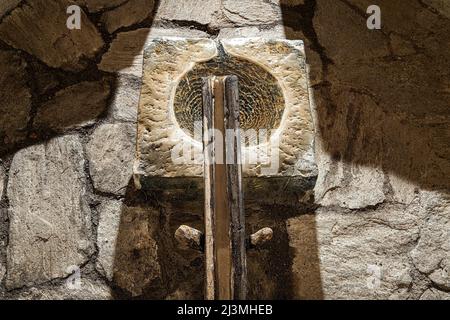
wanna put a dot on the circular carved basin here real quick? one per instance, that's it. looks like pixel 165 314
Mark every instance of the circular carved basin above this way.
pixel 261 97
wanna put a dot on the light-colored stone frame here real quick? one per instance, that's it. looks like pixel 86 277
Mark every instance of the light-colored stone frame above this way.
pixel 167 60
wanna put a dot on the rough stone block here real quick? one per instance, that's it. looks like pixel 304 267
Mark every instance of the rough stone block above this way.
pixel 110 153
pixel 49 217
pixel 188 10
pixel 127 248
pixel 55 44
pixel 75 106
pixel 130 13
pixel 274 91
pixel 132 260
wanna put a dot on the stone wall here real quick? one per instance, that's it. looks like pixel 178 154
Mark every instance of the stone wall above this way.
pixel 378 226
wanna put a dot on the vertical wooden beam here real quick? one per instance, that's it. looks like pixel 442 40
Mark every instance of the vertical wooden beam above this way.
pixel 224 214
pixel 209 168
pixel 235 190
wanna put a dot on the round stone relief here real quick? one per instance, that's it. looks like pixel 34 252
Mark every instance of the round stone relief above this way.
pixel 261 97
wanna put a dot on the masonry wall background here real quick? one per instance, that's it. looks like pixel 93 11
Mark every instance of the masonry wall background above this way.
pixel 379 225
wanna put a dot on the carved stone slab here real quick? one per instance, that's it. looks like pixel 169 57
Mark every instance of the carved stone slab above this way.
pixel 275 107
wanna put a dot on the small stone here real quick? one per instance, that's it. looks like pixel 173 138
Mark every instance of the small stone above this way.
pixel 56 45
pixel 130 13
pixel 441 277
pixel 292 3
pixel 15 99
pixel 108 229
pixel 252 12
pixel 75 106
pixel 125 53
pixel 125 103
pixel 433 248
pixel 188 10
pixel 111 153
pixel 352 256
pixel 49 217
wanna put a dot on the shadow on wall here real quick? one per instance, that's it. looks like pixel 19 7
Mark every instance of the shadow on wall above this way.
pixel 382 96
pixel 382 103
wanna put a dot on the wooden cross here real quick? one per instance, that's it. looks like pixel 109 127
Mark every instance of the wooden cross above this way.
pixel 224 240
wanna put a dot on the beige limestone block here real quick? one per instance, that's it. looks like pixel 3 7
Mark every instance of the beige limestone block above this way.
pixel 50 222
pixel 127 248
pixel 161 135
pixel 340 255
pixel 2 180
pixel 189 10
pixel 125 53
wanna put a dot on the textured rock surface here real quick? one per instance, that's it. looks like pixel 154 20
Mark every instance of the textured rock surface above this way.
pixel 98 5
pixel 49 216
pixel 87 290
pixel 7 5
pixel 15 98
pixel 362 257
pixel 126 98
pixel 189 10
pixel 431 255
pixel 159 134
pixel 130 13
pixel 76 106
pixel 435 294
pixel 56 45
pixel 111 153
pixel 252 12
pixel 136 263
pixel 381 229
pixel 2 180
pixel 125 53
